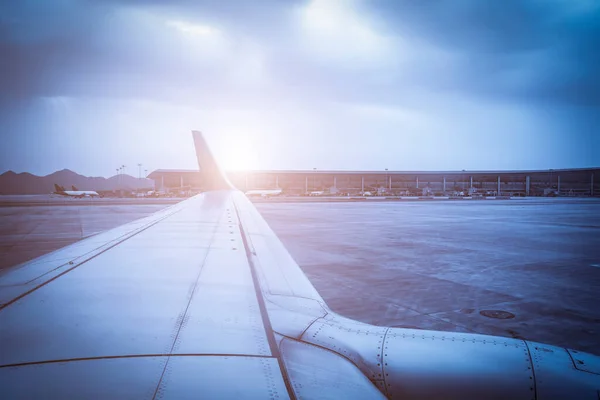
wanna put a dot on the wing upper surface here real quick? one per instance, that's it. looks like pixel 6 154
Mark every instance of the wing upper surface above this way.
pixel 280 274
pixel 27 276
pixel 199 299
pixel 179 288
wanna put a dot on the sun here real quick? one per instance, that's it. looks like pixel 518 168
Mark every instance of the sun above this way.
pixel 240 155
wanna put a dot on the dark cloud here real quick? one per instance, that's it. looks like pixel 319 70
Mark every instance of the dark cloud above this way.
pixel 39 43
pixel 89 48
pixel 484 26
pixel 534 49
pixel 461 84
pixel 541 55
pixel 545 51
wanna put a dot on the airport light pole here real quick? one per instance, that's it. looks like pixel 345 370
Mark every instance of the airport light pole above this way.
pixel 388 179
pixel 122 177
pixel 139 171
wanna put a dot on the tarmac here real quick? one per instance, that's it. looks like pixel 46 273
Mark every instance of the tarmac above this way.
pixel 532 265
pixel 525 268
pixel 38 226
pixel 54 200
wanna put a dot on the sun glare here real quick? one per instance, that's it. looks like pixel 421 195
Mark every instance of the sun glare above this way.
pixel 335 29
pixel 240 155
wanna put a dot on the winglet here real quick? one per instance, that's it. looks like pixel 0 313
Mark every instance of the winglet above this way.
pixel 212 176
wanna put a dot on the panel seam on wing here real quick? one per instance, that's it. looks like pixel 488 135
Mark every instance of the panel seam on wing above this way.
pixel 182 320
pixel 24 364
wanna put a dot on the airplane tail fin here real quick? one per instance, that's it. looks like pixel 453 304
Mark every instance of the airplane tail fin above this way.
pixel 74 188
pixel 58 188
pixel 212 176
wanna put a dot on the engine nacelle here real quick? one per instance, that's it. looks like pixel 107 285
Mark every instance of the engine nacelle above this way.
pixel 420 364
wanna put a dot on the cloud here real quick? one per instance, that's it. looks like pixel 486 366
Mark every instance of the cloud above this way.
pixel 380 50
pixel 545 50
pixel 334 31
pixel 193 29
pixel 428 69
pixel 118 50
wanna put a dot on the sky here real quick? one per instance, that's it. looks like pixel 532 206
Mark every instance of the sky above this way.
pixel 91 85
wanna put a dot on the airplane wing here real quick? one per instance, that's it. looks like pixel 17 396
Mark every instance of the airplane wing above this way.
pixel 202 300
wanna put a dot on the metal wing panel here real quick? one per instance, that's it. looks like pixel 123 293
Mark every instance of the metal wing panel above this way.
pixel 557 377
pixel 292 303
pixel 166 286
pixel 360 343
pixel 291 316
pixel 29 275
pixel 116 304
pixel 585 362
pixel 120 378
pixel 222 378
pixel 317 373
pixel 230 325
pixel 175 377
pixel 224 316
pixel 279 274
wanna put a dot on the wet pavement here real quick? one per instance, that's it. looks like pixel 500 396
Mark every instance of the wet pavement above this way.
pixel 37 200
pixel 441 265
pixel 32 230
pixel 519 268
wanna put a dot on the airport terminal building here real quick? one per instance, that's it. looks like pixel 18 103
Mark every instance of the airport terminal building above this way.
pixel 563 182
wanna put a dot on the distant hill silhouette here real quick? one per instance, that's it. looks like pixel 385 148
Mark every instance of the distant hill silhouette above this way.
pixel 26 183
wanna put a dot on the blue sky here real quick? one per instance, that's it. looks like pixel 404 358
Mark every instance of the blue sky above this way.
pixel 90 85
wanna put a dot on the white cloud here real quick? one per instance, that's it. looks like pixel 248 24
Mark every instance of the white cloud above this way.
pixel 193 29
pixel 336 31
pixel 241 60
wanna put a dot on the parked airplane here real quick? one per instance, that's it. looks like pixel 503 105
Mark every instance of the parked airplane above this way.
pixel 202 300
pixel 264 192
pixel 74 193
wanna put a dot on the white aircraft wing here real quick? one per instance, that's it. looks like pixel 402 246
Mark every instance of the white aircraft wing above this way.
pixel 201 300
